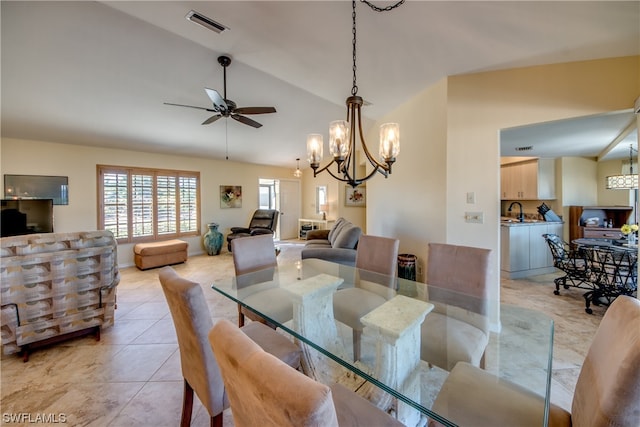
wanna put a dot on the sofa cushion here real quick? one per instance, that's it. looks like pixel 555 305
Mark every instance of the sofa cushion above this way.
pixel 335 229
pixel 347 237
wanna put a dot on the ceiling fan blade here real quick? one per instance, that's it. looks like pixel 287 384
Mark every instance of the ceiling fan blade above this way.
pixel 254 110
pixel 211 119
pixel 245 120
pixel 218 101
pixel 190 106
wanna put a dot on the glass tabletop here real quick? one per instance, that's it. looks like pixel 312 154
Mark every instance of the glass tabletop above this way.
pixel 305 298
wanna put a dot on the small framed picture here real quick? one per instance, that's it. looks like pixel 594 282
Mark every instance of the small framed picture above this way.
pixel 230 196
pixel 355 196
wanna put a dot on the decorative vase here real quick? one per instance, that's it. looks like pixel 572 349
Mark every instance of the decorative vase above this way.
pixel 631 238
pixel 213 239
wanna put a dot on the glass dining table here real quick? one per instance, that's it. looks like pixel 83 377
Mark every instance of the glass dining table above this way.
pixel 299 299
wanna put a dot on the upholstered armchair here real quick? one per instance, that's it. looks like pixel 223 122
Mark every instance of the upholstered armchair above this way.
pixel 264 221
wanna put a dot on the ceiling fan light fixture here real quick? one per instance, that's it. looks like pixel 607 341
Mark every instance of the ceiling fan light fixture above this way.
pixel 206 22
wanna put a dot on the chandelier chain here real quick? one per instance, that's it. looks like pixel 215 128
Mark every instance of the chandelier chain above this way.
pixel 354 88
pixel 382 9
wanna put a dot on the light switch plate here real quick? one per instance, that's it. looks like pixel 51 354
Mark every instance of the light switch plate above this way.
pixel 475 217
pixel 471 197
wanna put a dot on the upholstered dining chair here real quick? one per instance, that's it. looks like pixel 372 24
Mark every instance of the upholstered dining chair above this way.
pixel 377 262
pixel 192 321
pixel 250 255
pixel 458 327
pixel 607 392
pixel 264 391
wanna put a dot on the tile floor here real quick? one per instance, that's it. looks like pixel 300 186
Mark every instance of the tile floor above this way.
pixel 131 377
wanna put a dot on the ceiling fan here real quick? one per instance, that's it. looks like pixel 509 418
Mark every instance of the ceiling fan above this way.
pixel 224 107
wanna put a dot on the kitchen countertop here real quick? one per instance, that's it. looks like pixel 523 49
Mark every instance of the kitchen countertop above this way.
pixel 512 222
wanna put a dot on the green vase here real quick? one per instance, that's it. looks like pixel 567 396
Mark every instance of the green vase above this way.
pixel 213 239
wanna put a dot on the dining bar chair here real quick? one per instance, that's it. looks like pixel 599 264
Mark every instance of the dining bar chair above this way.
pixel 607 392
pixel 377 263
pixel 251 255
pixel 264 391
pixel 458 327
pixel 192 322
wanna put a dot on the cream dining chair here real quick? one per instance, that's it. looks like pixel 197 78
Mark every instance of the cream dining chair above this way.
pixel 377 263
pixel 258 254
pixel 192 321
pixel 607 392
pixel 458 327
pixel 263 391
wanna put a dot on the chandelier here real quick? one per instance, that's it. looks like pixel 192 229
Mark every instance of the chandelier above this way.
pixel 343 134
pixel 624 181
pixel 297 173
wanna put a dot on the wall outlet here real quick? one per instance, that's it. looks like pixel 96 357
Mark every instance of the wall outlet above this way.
pixel 475 217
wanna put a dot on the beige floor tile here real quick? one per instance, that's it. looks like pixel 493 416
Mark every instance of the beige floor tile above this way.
pixel 92 404
pixel 171 370
pixel 158 404
pixel 161 332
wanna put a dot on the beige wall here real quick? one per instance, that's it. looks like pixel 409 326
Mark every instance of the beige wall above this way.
pixel 79 164
pixel 450 146
pixel 411 203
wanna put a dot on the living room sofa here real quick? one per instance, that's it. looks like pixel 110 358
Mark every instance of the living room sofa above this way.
pixel 55 286
pixel 336 245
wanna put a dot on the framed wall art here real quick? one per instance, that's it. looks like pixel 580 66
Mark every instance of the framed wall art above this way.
pixel 230 196
pixel 355 196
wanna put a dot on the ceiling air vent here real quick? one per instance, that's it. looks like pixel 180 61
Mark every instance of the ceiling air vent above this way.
pixel 526 148
pixel 209 23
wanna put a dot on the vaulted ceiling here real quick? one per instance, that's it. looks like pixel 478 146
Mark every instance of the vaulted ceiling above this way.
pixel 98 73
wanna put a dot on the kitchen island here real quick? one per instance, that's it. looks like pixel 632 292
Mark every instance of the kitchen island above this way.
pixel 523 250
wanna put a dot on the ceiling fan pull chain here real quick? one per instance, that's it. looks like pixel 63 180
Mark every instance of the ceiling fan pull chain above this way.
pixel 226 139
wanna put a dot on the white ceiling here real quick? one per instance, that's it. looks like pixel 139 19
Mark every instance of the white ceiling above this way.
pixel 97 73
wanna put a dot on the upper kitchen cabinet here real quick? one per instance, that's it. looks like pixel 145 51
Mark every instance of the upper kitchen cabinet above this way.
pixel 528 180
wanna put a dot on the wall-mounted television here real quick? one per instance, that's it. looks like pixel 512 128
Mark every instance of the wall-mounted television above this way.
pixel 37 187
pixel 19 217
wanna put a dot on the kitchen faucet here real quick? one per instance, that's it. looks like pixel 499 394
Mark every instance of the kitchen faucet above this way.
pixel 521 215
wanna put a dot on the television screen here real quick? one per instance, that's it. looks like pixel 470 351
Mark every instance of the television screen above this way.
pixel 37 187
pixel 29 216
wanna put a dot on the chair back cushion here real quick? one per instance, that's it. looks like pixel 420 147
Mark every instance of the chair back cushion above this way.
pixel 336 227
pixel 607 392
pixel 380 255
pixel 192 321
pixel 461 269
pixel 264 218
pixel 253 253
pixel 262 389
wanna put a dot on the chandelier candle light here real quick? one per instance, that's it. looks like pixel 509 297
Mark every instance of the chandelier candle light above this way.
pixel 343 133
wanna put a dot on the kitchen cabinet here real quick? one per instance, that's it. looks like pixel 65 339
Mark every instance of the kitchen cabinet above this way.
pixel 529 180
pixel 523 250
